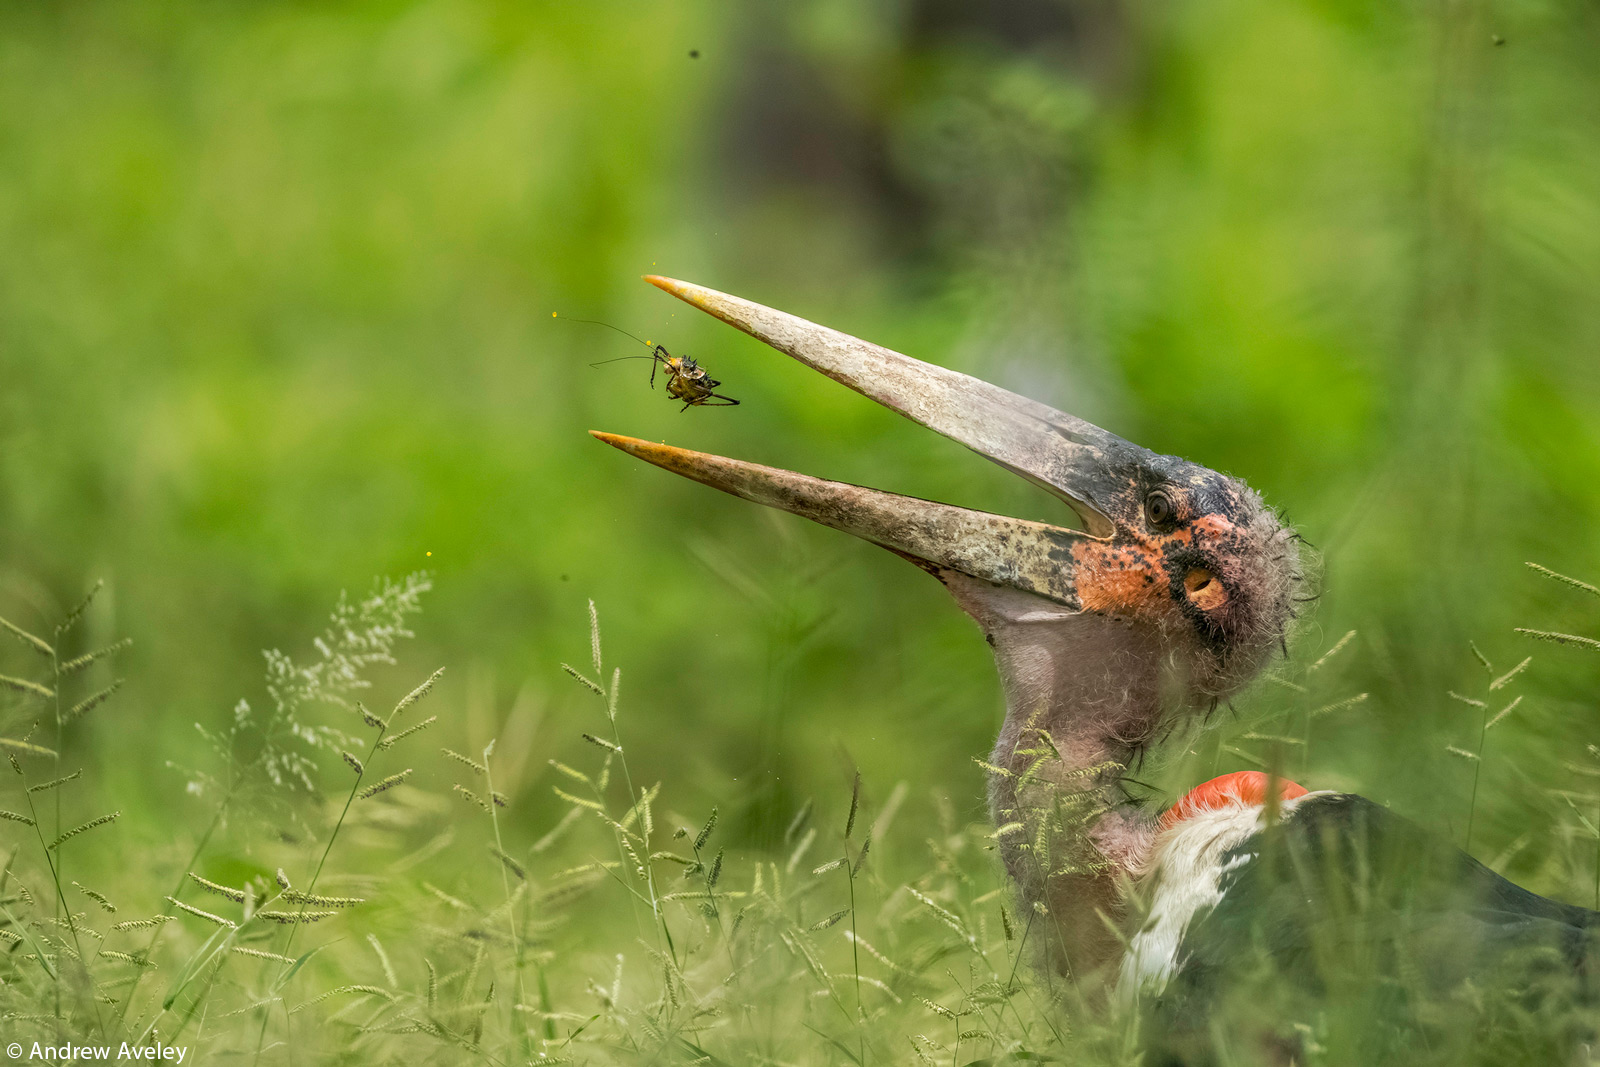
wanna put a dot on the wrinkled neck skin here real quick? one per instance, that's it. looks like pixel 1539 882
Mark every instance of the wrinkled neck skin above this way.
pixel 1098 686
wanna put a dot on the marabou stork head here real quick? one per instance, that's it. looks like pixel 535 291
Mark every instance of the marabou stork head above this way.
pixel 1184 563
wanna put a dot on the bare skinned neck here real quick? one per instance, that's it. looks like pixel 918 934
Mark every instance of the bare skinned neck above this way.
pixel 1083 694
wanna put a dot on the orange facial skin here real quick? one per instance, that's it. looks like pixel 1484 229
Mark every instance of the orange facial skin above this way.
pixel 1138 572
pixel 1120 578
pixel 1213 559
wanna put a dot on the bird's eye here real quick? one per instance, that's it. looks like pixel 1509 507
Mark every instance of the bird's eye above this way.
pixel 1159 510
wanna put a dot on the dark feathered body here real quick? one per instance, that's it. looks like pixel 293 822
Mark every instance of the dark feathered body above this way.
pixel 1349 929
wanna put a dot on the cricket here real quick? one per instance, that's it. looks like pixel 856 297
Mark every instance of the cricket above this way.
pixel 686 379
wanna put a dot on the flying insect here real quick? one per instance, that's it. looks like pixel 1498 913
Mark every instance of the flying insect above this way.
pixel 686 379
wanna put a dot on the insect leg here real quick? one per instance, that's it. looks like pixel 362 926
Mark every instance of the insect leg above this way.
pixel 660 351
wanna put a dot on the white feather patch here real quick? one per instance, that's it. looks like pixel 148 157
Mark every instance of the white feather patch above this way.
pixel 1184 877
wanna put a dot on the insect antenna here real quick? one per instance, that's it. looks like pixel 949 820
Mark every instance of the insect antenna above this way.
pixel 618 359
pixel 625 333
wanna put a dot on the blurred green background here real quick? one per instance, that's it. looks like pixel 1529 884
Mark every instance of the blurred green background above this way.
pixel 276 295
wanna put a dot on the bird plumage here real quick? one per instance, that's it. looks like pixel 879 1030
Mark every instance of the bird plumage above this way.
pixel 1342 899
pixel 1244 923
pixel 1200 844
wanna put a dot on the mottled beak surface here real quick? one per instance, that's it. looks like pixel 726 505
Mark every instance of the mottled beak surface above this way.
pixel 1164 539
pixel 1025 555
pixel 1063 454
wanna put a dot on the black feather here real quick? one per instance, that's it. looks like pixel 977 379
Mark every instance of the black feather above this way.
pixel 1433 957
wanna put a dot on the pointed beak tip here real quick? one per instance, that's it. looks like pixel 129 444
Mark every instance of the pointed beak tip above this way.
pixel 671 285
pixel 649 451
pixel 615 440
pixel 718 305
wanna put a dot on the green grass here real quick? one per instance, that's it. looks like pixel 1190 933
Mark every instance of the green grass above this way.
pixel 275 315
pixel 339 905
pixel 621 931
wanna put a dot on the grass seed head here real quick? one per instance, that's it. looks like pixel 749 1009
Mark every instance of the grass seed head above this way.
pixel 477 768
pixel 85 828
pixel 594 637
pixel 73 666
pixel 365 990
pixel 861 857
pixel 1575 583
pixel 89 703
pixel 715 872
pixel 294 896
pixel 57 782
pixel 387 783
pixel 469 795
pixel 25 748
pixel 200 913
pixel 855 804
pixel 27 688
pixel 394 739
pixel 37 644
pixel 126 957
pixel 705 831
pixel 416 694
pixel 1561 639
pixel 584 680
pixel 601 742
pixel 290 918
pixel 76 613
pixel 235 895
pixel 261 954
pixel 98 898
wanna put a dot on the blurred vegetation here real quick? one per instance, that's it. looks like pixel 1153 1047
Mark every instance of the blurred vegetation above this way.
pixel 276 316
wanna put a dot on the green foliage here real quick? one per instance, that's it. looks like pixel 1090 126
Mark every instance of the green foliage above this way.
pixel 615 931
pixel 275 311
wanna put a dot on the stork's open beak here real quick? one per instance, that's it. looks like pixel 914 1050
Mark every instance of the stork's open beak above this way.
pixel 1072 459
